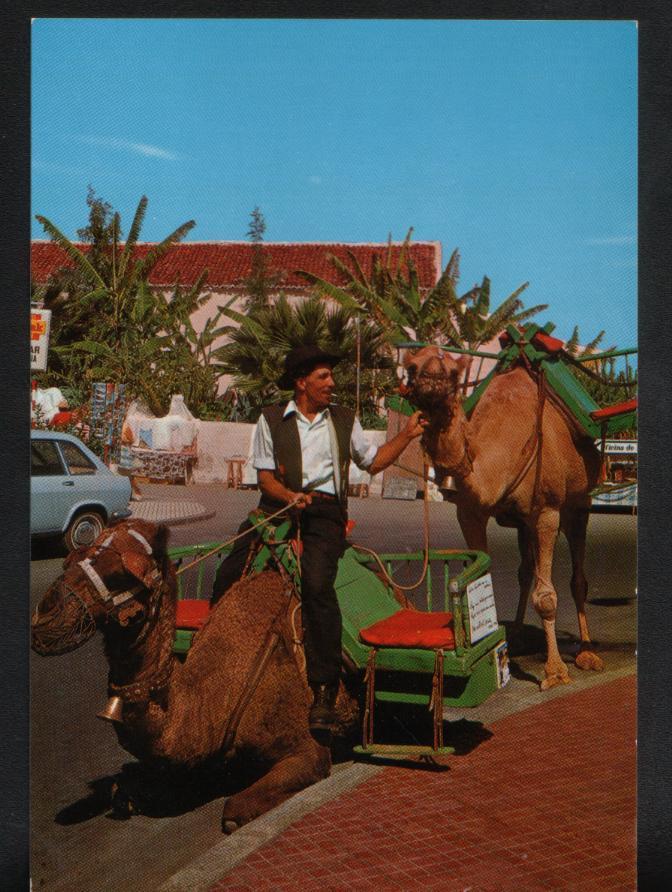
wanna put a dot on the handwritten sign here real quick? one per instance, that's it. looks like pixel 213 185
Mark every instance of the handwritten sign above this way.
pixel 40 321
pixel 482 610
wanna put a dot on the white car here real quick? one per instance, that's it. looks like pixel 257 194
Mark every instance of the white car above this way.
pixel 72 492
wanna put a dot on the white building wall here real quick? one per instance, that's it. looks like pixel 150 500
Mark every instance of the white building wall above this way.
pixel 219 441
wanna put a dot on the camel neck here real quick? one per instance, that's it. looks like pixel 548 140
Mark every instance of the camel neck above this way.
pixel 140 667
pixel 447 443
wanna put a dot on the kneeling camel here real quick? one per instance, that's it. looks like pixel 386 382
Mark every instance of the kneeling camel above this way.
pixel 239 692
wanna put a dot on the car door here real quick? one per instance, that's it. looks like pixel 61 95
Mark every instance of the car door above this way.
pixel 87 481
pixel 51 487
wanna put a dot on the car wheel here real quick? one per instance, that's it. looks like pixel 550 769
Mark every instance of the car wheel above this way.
pixel 84 529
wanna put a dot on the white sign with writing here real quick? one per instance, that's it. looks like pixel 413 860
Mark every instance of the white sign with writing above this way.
pixel 40 323
pixel 618 447
pixel 482 610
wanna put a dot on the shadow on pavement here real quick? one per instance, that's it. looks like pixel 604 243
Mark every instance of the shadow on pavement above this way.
pixel 157 793
pixel 48 548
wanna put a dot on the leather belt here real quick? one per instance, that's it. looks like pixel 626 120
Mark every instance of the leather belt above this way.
pixel 323 496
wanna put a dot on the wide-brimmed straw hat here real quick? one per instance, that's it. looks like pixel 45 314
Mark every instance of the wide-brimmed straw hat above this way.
pixel 301 361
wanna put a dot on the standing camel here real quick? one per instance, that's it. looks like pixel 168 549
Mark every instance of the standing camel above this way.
pixel 517 459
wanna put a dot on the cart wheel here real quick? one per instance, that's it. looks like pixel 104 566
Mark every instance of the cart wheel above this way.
pixel 84 529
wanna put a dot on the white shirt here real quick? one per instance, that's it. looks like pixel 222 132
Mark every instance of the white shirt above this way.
pixel 316 437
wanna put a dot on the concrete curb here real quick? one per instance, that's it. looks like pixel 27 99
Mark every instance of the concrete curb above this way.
pixel 209 868
pixel 170 511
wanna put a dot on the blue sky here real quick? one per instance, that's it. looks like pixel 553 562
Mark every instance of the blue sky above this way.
pixel 515 142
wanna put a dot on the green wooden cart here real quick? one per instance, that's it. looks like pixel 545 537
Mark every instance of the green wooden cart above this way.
pixel 466 660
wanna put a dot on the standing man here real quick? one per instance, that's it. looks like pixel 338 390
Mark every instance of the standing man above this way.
pixel 302 450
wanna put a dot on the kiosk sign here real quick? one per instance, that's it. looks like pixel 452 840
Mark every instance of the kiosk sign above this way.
pixel 482 610
pixel 40 323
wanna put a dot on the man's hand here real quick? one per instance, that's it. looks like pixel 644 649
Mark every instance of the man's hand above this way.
pixel 304 499
pixel 274 489
pixel 390 451
pixel 416 425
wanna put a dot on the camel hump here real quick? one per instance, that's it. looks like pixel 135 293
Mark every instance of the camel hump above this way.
pixel 249 607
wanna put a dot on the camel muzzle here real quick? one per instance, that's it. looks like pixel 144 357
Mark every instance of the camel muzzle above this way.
pixel 431 390
pixel 53 635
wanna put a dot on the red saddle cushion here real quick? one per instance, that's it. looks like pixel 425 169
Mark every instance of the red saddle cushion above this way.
pixel 553 345
pixel 618 409
pixel 192 613
pixel 412 628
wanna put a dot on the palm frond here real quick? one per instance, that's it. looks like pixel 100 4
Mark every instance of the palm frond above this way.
pixel 73 253
pixel 133 235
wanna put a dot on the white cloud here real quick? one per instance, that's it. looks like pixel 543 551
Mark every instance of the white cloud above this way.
pixel 139 148
pixel 612 240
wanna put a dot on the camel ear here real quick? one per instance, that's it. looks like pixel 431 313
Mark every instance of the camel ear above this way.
pixel 464 363
pixel 139 565
pixel 409 356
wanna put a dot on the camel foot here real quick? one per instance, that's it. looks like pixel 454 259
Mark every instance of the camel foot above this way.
pixel 555 678
pixel 587 659
pixel 122 804
pixel 229 826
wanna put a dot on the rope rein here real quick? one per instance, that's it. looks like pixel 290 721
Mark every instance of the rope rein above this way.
pixel 425 526
pixel 246 532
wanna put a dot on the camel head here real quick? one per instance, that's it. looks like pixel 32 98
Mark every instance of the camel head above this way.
pixel 115 582
pixel 434 378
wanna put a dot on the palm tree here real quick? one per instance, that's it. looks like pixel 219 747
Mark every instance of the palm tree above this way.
pixel 257 348
pixel 600 377
pixel 393 298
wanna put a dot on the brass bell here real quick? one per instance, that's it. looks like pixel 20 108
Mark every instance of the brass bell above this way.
pixel 113 711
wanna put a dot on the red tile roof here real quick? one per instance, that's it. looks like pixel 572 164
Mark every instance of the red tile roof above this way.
pixel 228 263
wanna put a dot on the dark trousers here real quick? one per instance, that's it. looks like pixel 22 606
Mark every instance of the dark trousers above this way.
pixel 323 538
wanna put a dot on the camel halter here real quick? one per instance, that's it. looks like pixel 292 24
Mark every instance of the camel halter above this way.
pixel 51 638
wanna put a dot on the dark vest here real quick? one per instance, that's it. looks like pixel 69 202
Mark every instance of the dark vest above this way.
pixel 287 446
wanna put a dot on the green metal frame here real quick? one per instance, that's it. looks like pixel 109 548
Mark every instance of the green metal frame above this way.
pixel 470 671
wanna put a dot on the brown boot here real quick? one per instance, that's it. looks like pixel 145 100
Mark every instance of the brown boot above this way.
pixel 322 715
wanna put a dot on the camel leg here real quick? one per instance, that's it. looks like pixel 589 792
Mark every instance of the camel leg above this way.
pixel 474 528
pixel 544 596
pixel 525 574
pixel 287 776
pixel 575 526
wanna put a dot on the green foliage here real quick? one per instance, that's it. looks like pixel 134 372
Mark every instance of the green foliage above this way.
pixel 393 299
pixel 603 379
pixel 261 281
pixel 78 426
pixel 256 352
pixel 109 325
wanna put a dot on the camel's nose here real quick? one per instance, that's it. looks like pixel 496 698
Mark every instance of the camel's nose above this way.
pixel 433 368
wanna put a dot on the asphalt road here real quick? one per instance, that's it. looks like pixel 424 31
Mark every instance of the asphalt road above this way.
pixel 77 846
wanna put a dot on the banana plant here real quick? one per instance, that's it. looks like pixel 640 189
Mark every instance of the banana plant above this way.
pixel 114 284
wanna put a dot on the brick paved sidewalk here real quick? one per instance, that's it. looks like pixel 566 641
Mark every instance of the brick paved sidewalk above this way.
pixel 547 802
